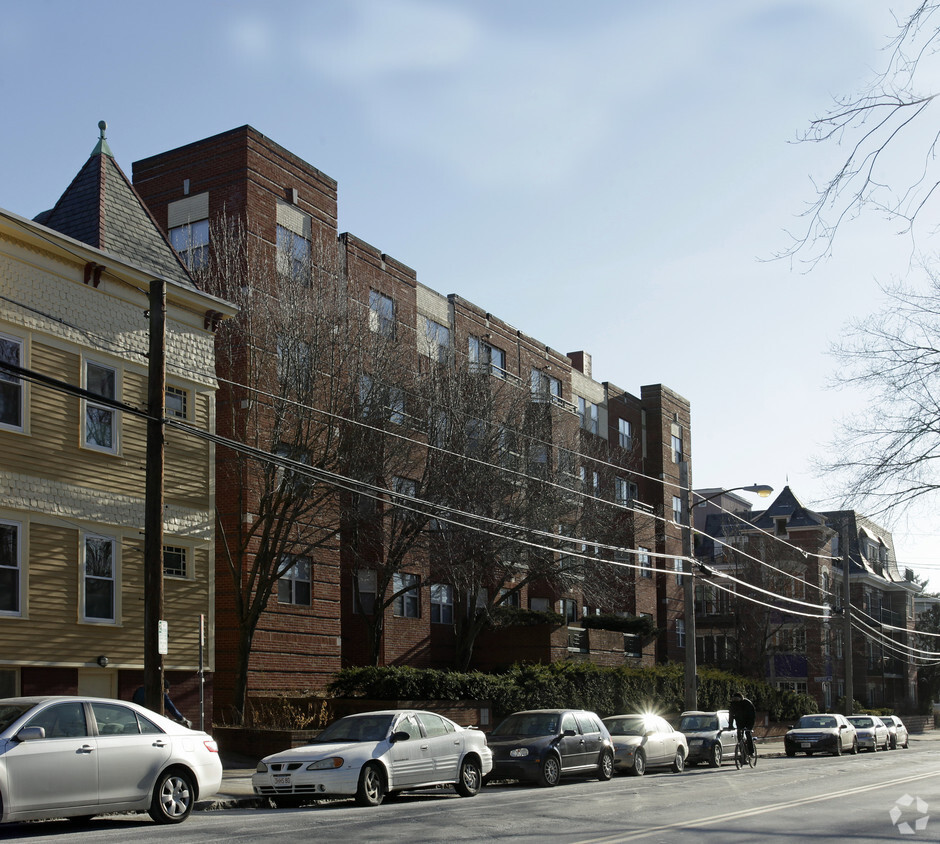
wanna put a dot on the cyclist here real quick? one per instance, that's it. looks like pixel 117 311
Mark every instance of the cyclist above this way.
pixel 741 714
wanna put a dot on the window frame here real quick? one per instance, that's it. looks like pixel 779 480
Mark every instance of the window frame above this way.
pixel 90 405
pixel 291 579
pixel 15 382
pixel 113 579
pixel 381 314
pixel 193 250
pixel 436 340
pixel 364 599
pixel 442 603
pixel 483 356
pixel 645 562
pixel 17 567
pixel 183 395
pixel 186 562
pixel 625 433
pixel 588 412
pixel 408 603
pixel 293 254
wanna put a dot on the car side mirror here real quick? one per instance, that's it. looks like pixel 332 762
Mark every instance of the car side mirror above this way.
pixel 569 733
pixel 31 734
pixel 400 735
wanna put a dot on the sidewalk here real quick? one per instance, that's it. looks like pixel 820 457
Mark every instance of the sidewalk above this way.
pixel 236 792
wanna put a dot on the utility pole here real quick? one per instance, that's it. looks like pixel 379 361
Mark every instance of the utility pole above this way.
pixel 847 620
pixel 688 589
pixel 153 502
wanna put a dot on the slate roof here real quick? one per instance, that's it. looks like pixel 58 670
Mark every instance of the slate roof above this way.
pixel 788 505
pixel 101 208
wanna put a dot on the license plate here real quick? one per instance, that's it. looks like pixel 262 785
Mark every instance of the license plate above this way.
pixel 696 742
pixel 806 744
pixel 281 779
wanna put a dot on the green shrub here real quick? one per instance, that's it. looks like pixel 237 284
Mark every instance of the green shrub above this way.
pixel 516 616
pixel 608 691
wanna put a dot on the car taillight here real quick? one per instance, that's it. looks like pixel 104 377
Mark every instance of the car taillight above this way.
pixel 211 746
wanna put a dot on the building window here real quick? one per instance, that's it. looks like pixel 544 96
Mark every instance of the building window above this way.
pixel 676 449
pixel 175 561
pixel 680 632
pixel 176 402
pixel 508 597
pixel 437 341
pixel 588 413
pixel 677 509
pixel 483 357
pixel 407 604
pixel 11 386
pixel 646 565
pixel 678 564
pixel 99 579
pixel 625 433
pixel 100 421
pixel 293 361
pixel 365 588
pixel 625 491
pixel 293 254
pixel 294 585
pixel 191 240
pixel 545 387
pixel 381 314
pixel 780 526
pixel 10 556
pixel 540 604
pixel 442 604
pixel 569 609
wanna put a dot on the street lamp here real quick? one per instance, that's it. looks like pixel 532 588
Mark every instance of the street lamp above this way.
pixel 688 587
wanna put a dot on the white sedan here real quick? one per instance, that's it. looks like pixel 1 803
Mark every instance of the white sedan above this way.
pixel 372 754
pixel 76 757
pixel 643 741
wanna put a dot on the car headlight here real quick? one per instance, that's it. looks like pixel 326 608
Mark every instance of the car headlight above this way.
pixel 262 768
pixel 519 752
pixel 326 764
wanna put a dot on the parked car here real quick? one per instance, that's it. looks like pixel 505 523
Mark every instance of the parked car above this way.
pixel 372 754
pixel 871 731
pixel 76 757
pixel 897 732
pixel 644 741
pixel 543 745
pixel 709 736
pixel 821 734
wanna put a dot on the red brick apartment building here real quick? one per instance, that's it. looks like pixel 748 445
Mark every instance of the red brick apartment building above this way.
pixel 420 408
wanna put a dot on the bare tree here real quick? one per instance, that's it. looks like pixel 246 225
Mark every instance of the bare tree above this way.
pixel 890 166
pixel 887 454
pixel 289 365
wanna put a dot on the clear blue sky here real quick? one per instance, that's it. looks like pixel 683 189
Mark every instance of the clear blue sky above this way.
pixel 604 175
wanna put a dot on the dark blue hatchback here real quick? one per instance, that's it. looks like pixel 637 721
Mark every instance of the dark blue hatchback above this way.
pixel 543 745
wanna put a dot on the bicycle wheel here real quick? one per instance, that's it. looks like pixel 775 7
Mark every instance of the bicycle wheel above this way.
pixel 738 755
pixel 752 758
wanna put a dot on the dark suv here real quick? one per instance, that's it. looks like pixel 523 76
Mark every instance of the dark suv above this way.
pixel 542 745
pixel 709 736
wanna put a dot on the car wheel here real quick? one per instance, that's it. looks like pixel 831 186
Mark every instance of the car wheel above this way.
pixel 471 778
pixel 894 742
pixel 790 751
pixel 905 745
pixel 885 746
pixel 678 763
pixel 550 772
pixel 639 763
pixel 174 796
pixel 371 790
pixel 809 752
pixel 854 750
pixel 605 769
pixel 838 750
pixel 714 758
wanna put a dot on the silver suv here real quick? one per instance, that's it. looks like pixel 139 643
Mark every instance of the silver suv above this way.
pixel 709 736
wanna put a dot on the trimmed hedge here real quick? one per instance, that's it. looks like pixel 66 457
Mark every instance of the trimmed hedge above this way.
pixel 607 691
pixel 639 625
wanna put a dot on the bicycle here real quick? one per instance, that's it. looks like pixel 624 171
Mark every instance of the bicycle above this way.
pixel 743 753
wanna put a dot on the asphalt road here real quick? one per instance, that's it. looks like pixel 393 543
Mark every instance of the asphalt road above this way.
pixel 820 799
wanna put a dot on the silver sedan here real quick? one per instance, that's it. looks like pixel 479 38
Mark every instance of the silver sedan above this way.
pixel 76 757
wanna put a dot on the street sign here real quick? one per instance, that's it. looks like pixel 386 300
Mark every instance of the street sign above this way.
pixel 163 638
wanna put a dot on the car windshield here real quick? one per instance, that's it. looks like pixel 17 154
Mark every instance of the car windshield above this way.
pixel 698 723
pixel 529 724
pixel 356 728
pixel 817 722
pixel 862 722
pixel 632 725
pixel 9 712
